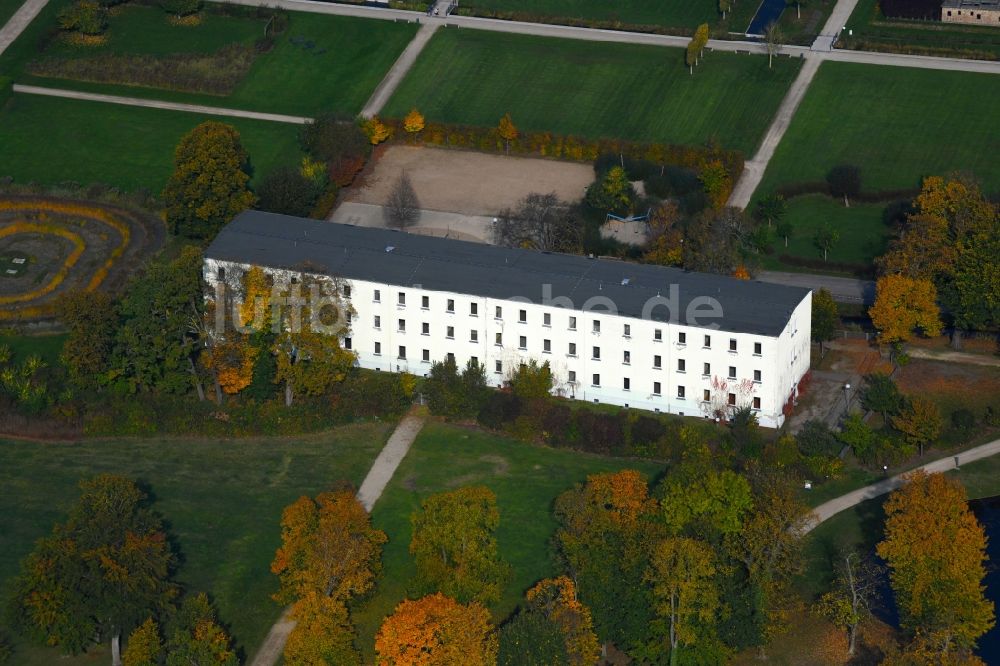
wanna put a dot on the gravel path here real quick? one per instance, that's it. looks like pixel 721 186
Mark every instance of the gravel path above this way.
pixel 398 70
pixel 19 21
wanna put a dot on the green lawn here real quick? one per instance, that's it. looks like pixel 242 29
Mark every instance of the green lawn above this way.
pixel 47 347
pixel 7 9
pixel 874 32
pixel 222 502
pixel 897 124
pixel 319 64
pixel 863 234
pixel 594 89
pixel 526 479
pixel 49 140
pixel 684 15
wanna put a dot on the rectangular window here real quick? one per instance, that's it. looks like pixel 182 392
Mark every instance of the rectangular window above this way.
pixel 708 342
pixel 425 302
pixel 425 328
pixel 572 376
pixel 546 319
pixel 378 348
pixel 627 332
pixel 547 346
pixel 597 326
pixel 732 344
pixel 597 380
pixel 681 391
pixel 221 274
pixel 378 321
pixel 627 358
pixel 627 384
pixel 572 323
pixel 499 313
pixel 732 399
pixel 682 338
pixel 757 348
pixel 473 309
pixel 347 343
pixel 656 388
pixel 498 367
pixel 474 360
pixel 706 395
pixel 450 357
pixel 347 291
pixel 522 316
pixel 597 354
pixel 378 296
pixel 756 376
pixel 401 325
pixel 706 369
pixel 451 305
pixel 732 372
pixel 756 403
pixel 402 352
pixel 658 335
pixel 427 356
pixel 522 342
pixel 572 349
pixel 450 333
pixel 681 365
pixel 473 336
pixel 401 299
pixel 498 339
pixel 657 362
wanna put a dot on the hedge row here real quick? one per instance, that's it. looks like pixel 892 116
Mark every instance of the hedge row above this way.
pixel 569 147
pixel 860 270
pixel 800 188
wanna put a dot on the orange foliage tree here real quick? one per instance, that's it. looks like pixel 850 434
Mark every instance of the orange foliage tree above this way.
pixel 413 122
pixel 437 631
pixel 936 550
pixel 376 130
pixel 557 599
pixel 902 305
pixel 507 131
pixel 666 240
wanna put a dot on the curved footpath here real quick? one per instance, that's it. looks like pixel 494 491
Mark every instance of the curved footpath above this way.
pixel 829 509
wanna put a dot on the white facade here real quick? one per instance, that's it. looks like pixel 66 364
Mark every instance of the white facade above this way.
pixel 594 355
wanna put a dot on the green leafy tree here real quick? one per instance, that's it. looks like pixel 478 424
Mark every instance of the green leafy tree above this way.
pixel 936 551
pixel 682 572
pixel 531 381
pixel 825 317
pixel 826 238
pixel 454 545
pixel 144 646
pixel 920 422
pixel 880 394
pixel 612 193
pixel 91 320
pixel 816 439
pixel 771 209
pixel 285 190
pixel 99 574
pixel 531 639
pixel 858 435
pixel 705 502
pixel 844 181
pixel 785 229
pixel 84 16
pixel 196 636
pixel 208 187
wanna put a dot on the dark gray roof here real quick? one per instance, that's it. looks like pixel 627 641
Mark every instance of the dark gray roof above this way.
pixel 442 264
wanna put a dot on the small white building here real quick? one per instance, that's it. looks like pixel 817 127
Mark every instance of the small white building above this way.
pixel 650 337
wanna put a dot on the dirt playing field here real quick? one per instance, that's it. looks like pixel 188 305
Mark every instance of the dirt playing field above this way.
pixel 469 183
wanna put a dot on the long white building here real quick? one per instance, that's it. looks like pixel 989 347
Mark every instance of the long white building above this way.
pixel 650 337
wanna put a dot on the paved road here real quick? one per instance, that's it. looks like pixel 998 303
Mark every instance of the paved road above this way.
pixel 833 507
pixel 158 104
pixel 19 21
pixel 371 489
pixel 843 290
pixel 838 19
pixel 399 69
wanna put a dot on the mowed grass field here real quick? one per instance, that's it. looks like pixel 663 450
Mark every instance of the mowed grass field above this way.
pixel 897 124
pixel 684 14
pixel 221 501
pixel 50 140
pixel 526 480
pixel 594 90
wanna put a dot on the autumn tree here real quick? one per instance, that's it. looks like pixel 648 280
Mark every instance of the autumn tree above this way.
pixel 437 631
pixel 208 187
pixel 556 599
pixel 99 574
pixel 413 123
pixel 716 182
pixel 903 305
pixel 144 646
pixel 323 634
pixel 666 237
pixel 402 209
pixel 606 529
pixel 507 131
pixel 454 545
pixel 703 502
pixel 84 16
pixel 531 639
pixel 825 317
pixel 682 572
pixel 844 181
pixel 613 192
pixel 328 547
pixel 854 594
pixel 920 422
pixel 90 319
pixel 936 550
pixel 376 130
pixel 712 241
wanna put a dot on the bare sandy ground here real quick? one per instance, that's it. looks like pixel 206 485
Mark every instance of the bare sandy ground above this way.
pixel 469 183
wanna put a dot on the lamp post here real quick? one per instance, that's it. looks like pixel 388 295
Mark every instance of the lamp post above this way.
pixel 847 399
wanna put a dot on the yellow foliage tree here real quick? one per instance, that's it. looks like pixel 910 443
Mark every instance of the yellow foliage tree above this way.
pixel 557 598
pixel 920 422
pixel 323 634
pixel 902 305
pixel 682 572
pixel 437 631
pixel 413 122
pixel 741 273
pixel 256 306
pixel 233 362
pixel 507 131
pixel 936 550
pixel 376 130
